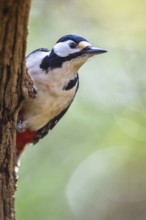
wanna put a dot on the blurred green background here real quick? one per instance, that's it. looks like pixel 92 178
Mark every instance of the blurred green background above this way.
pixel 92 166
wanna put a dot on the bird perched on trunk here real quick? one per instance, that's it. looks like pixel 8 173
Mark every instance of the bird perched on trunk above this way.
pixel 55 76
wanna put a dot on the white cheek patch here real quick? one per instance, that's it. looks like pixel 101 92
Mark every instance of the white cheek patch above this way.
pixel 62 49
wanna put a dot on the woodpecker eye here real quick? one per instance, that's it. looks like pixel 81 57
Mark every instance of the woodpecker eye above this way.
pixel 73 45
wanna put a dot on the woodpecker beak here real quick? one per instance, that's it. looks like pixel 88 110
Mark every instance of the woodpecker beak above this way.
pixel 93 50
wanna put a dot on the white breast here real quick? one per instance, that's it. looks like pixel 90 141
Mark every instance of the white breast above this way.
pixel 51 98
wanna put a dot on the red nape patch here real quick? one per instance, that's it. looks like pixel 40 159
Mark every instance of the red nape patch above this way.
pixel 22 139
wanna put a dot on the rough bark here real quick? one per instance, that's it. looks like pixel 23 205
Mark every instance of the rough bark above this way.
pixel 13 32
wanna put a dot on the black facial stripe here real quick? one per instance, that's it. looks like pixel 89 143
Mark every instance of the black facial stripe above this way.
pixel 71 83
pixel 53 61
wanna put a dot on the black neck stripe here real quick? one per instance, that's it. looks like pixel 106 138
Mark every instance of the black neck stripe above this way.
pixel 71 83
pixel 53 61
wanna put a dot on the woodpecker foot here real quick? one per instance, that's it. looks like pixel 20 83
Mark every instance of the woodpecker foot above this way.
pixel 21 127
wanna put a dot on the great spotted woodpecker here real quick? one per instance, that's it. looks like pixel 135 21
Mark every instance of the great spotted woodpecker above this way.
pixel 55 76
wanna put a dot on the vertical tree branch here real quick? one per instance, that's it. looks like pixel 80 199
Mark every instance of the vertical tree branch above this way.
pixel 13 33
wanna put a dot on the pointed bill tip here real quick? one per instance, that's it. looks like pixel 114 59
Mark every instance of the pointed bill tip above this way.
pixel 95 50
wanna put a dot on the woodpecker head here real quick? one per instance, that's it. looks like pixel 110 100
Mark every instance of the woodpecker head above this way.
pixel 67 56
pixel 74 49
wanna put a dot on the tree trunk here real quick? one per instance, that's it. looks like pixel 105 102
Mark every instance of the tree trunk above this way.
pixel 13 32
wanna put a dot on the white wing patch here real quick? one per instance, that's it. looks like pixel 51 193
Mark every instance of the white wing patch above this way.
pixel 34 60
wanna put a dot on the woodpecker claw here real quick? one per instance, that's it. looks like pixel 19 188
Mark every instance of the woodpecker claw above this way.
pixel 21 127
